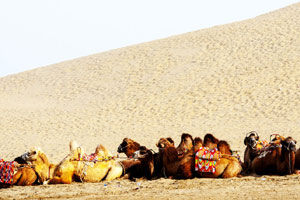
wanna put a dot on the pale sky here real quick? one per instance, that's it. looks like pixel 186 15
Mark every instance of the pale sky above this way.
pixel 36 33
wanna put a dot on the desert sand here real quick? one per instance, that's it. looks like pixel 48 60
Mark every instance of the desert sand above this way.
pixel 227 80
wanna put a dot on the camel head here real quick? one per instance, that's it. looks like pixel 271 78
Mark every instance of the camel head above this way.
pixel 164 142
pixel 40 162
pixel 251 139
pixel 289 144
pixel 36 155
pixel 186 144
pixel 128 147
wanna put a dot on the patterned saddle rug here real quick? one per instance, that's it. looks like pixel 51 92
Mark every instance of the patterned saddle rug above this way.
pixel 95 158
pixel 6 172
pixel 206 159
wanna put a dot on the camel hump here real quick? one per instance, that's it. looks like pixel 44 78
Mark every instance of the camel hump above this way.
pixel 73 145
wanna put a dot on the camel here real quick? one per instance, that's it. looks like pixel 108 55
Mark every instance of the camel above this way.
pixel 144 160
pixel 128 147
pixel 277 159
pixel 34 168
pixel 226 167
pixel 251 151
pixel 73 168
pixel 175 165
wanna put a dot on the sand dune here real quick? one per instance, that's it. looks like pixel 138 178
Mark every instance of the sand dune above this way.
pixel 227 80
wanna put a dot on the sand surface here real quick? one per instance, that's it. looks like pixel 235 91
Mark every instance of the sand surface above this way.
pixel 226 80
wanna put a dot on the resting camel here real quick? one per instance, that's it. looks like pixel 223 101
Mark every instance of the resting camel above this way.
pixel 226 167
pixel 277 159
pixel 144 160
pixel 128 147
pixel 73 168
pixel 176 165
pixel 251 151
pixel 35 168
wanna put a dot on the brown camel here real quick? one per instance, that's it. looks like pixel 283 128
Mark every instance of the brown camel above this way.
pixel 176 166
pixel 72 167
pixel 128 147
pixel 144 160
pixel 37 169
pixel 251 151
pixel 277 159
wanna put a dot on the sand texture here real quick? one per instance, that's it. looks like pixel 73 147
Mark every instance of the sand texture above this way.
pixel 226 80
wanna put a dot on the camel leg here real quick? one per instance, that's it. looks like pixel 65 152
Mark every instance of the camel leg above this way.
pixel 65 178
pixel 24 176
pixel 114 172
pixel 232 170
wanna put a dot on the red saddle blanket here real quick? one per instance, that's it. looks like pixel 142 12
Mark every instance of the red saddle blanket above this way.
pixel 206 159
pixel 6 172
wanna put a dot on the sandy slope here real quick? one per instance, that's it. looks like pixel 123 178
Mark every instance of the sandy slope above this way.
pixel 227 80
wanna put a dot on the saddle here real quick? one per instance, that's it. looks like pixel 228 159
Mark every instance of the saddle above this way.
pixel 206 159
pixel 6 172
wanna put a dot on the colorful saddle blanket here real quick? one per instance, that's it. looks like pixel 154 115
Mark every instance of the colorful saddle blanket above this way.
pixel 90 158
pixel 6 172
pixel 206 159
pixel 95 158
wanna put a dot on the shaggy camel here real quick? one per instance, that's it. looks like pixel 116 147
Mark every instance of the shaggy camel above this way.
pixel 73 168
pixel 251 151
pixel 35 169
pixel 128 147
pixel 277 159
pixel 175 165
pixel 146 163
